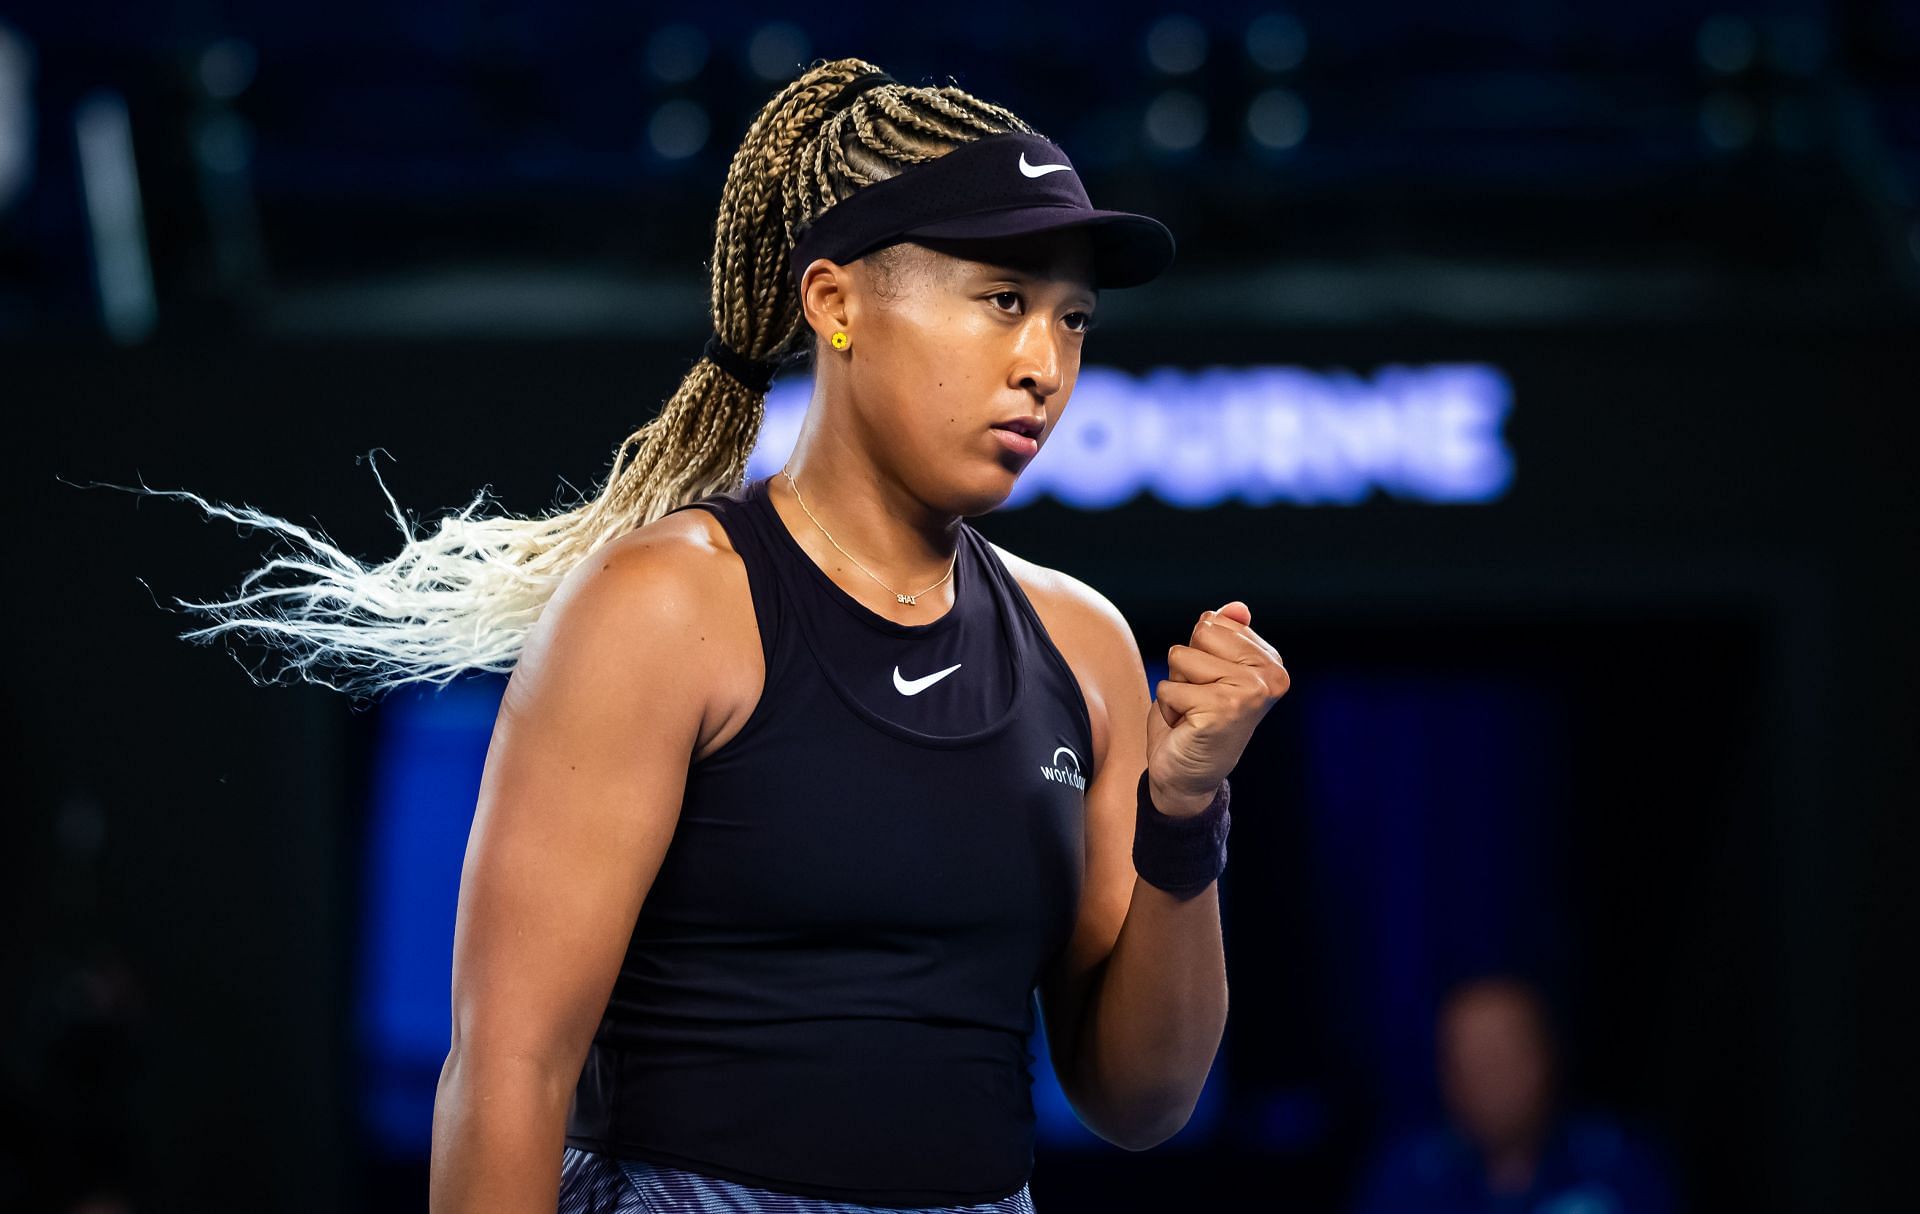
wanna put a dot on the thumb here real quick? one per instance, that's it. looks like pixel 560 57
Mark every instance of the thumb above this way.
pixel 1166 712
pixel 1238 611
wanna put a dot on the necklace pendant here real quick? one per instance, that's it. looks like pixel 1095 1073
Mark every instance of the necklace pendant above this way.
pixel 905 598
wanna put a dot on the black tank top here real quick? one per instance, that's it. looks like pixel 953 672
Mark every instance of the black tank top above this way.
pixel 830 987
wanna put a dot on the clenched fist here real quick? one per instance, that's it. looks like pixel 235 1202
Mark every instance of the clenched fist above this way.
pixel 1218 687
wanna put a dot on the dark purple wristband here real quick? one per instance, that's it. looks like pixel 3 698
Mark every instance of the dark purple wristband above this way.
pixel 1182 855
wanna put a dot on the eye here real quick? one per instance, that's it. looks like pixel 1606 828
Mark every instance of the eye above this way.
pixel 1086 318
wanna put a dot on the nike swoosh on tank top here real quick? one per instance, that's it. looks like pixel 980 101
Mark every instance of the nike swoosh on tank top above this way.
pixel 830 988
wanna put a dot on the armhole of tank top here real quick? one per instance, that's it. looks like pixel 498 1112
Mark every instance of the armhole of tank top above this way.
pixel 766 624
pixel 1078 693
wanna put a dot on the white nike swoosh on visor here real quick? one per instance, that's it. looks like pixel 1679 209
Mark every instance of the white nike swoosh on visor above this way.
pixel 913 687
pixel 1039 170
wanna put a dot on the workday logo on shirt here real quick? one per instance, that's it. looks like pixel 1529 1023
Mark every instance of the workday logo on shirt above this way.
pixel 1069 774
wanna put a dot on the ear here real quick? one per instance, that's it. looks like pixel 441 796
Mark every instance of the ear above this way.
pixel 827 298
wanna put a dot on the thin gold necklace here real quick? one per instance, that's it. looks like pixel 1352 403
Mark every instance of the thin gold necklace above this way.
pixel 905 598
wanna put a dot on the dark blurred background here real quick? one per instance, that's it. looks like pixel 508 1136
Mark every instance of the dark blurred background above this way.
pixel 1632 720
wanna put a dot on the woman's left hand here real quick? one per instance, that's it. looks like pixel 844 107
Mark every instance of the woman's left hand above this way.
pixel 1218 688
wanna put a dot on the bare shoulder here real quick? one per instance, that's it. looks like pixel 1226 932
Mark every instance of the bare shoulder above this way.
pixel 1091 634
pixel 1068 598
pixel 669 567
pixel 693 536
pixel 680 572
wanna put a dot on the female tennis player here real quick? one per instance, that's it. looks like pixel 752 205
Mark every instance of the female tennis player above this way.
pixel 802 795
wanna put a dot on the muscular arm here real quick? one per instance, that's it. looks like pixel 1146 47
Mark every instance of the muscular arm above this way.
pixel 581 792
pixel 1136 1004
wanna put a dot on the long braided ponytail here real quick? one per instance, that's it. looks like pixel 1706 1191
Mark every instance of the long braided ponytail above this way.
pixel 463 597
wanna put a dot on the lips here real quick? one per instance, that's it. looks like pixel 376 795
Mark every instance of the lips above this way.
pixel 1029 426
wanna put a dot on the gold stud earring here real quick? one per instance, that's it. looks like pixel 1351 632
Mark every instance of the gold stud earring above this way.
pixel 839 340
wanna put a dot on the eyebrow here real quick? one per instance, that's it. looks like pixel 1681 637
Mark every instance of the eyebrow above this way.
pixel 997 269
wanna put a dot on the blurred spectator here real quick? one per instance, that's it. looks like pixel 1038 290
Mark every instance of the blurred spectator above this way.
pixel 1509 1147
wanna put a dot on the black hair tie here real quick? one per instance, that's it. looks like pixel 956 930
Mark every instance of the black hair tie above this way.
pixel 850 92
pixel 755 373
pixel 758 373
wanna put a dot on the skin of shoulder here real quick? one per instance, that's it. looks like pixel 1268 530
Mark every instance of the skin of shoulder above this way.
pixel 734 673
pixel 1099 646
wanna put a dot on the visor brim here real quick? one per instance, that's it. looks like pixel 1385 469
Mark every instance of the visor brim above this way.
pixel 1129 250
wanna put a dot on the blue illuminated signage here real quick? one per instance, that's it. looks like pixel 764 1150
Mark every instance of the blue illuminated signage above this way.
pixel 1258 435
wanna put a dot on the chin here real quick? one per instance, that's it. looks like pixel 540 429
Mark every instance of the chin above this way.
pixel 985 493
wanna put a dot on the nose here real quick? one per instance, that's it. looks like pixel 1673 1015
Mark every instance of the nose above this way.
pixel 1037 362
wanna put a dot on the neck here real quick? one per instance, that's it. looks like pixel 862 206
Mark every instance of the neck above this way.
pixel 877 520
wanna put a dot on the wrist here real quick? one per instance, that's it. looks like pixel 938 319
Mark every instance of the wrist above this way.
pixel 1180 804
pixel 1181 852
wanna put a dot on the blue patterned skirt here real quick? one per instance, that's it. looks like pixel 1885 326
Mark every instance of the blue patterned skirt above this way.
pixel 593 1183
